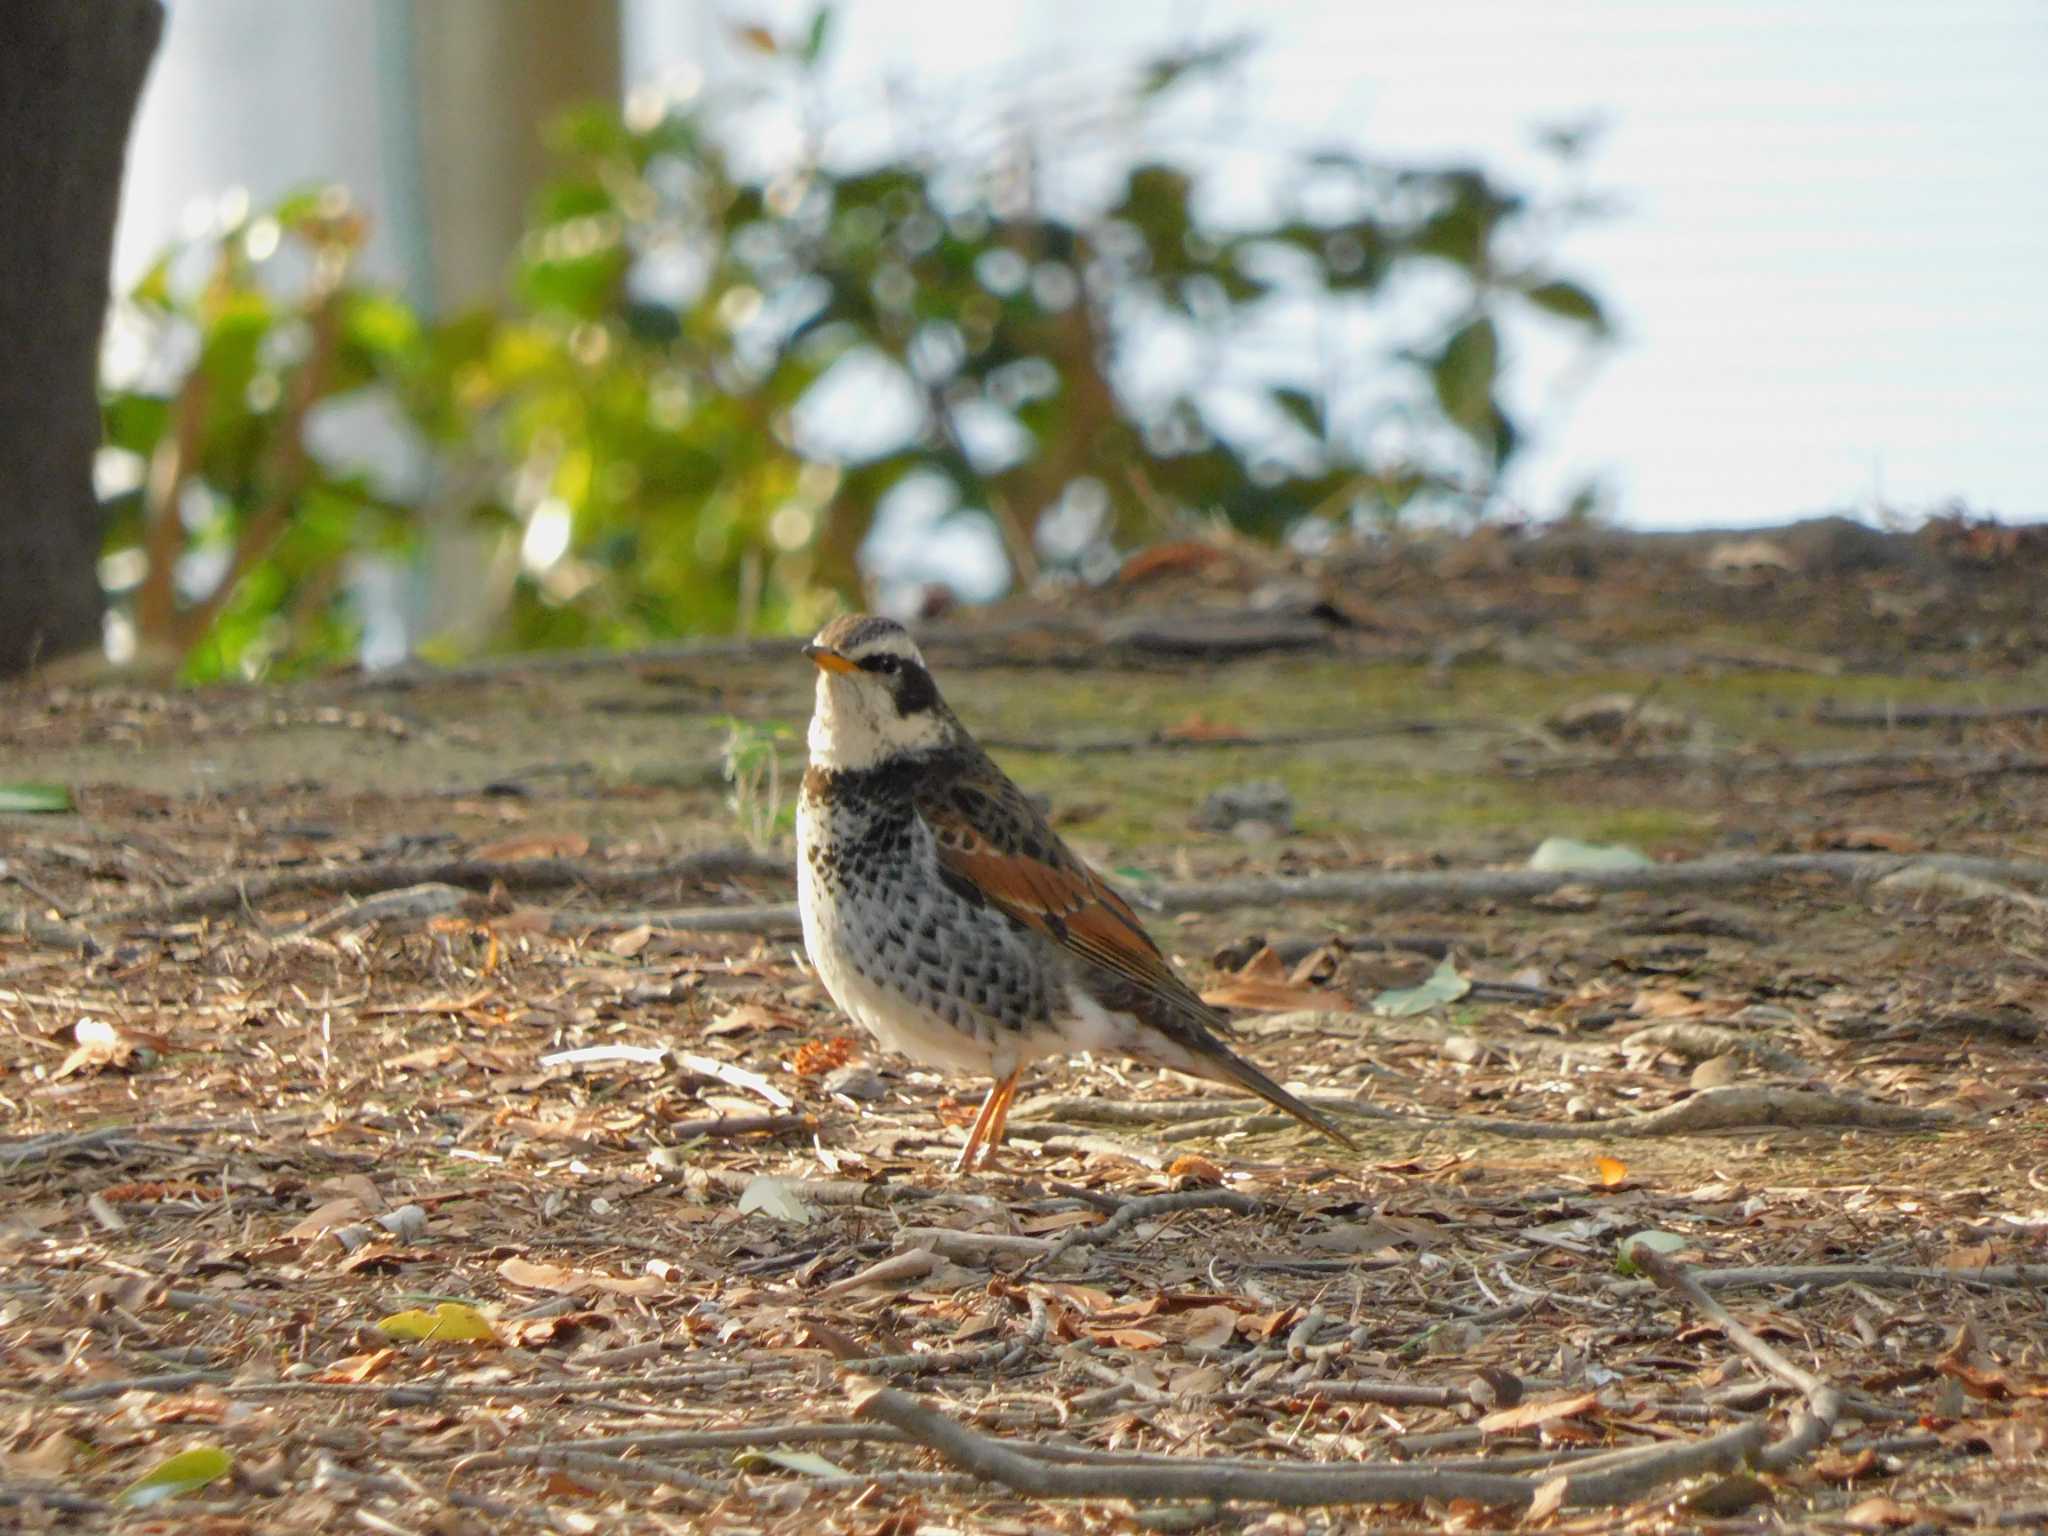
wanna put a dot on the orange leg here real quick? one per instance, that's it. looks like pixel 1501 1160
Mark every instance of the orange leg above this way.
pixel 988 1125
pixel 1000 1122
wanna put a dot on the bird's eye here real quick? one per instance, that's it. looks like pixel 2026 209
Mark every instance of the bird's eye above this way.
pixel 882 663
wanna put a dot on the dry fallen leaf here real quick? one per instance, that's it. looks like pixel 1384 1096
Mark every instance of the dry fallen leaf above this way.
pixel 814 1058
pixel 569 1282
pixel 1541 1411
pixel 1199 727
pixel 1259 996
pixel 325 1218
pixel 353 1368
pixel 1194 1169
pixel 1879 1512
pixel 1548 1501
pixel 561 845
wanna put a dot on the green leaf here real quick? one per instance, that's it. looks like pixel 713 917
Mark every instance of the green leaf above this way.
pixel 1651 1241
pixel 383 325
pixel 1566 855
pixel 181 1474
pixel 29 797
pixel 135 421
pixel 1568 301
pixel 1444 986
pixel 820 36
pixel 1306 410
pixel 1464 374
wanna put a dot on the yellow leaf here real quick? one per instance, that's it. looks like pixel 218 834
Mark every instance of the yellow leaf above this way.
pixel 1612 1170
pixel 449 1320
pixel 181 1474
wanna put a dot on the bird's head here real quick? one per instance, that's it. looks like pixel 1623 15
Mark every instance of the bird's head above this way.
pixel 876 700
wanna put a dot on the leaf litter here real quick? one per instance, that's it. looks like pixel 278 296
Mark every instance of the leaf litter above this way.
pixel 670 1271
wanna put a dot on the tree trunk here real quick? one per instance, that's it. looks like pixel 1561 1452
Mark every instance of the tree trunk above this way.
pixel 71 73
pixel 488 78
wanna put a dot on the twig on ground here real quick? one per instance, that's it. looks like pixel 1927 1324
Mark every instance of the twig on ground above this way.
pixel 990 1357
pixel 1131 1212
pixel 50 932
pixel 1160 742
pixel 1754 765
pixel 164 1381
pixel 1730 1108
pixel 1918 880
pixel 878 1194
pixel 1877 1276
pixel 1938 714
pixel 682 1440
pixel 44 1496
pixel 1719 873
pixel 1981 771
pixel 726 1127
pixel 62 1144
pixel 772 921
pixel 1733 1107
pixel 1823 1403
pixel 244 891
pixel 633 1471
pixel 407 904
pixel 976 1247
pixel 1167 1477
pixel 1402 887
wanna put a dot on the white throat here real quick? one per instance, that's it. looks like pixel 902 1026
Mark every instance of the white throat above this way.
pixel 855 726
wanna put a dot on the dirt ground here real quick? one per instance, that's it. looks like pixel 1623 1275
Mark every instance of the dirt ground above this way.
pixel 346 1022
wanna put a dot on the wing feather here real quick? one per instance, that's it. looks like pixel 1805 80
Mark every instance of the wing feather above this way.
pixel 995 845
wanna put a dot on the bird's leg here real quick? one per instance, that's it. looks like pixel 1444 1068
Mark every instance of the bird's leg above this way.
pixel 995 1110
pixel 1006 1095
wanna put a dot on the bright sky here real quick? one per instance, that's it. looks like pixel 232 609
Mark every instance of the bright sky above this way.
pixel 1832 264
pixel 1831 268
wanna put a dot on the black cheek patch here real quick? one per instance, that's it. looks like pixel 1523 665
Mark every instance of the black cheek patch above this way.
pixel 914 691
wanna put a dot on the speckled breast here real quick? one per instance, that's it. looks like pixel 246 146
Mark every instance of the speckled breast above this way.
pixel 924 969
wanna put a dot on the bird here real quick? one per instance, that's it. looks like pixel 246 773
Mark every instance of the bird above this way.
pixel 944 915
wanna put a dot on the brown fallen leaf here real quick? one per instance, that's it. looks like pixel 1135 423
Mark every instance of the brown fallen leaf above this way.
pixel 429 1058
pixel 325 1218
pixel 1668 1003
pixel 1206 1328
pixel 159 1189
pixel 1128 1338
pixel 569 1282
pixel 814 1058
pixel 355 1368
pixel 1879 1512
pixel 628 944
pixel 1194 1169
pixel 1882 839
pixel 1548 1501
pixel 1834 1467
pixel 1258 996
pixel 1717 1071
pixel 1176 557
pixel 1199 727
pixel 560 845
pixel 102 1044
pixel 1542 1411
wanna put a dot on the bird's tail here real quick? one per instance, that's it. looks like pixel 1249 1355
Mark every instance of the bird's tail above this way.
pixel 1203 1055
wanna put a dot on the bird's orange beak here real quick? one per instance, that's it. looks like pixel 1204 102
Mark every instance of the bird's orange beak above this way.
pixel 828 660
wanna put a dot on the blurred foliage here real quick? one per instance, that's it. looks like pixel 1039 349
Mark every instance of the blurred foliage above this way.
pixel 663 418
